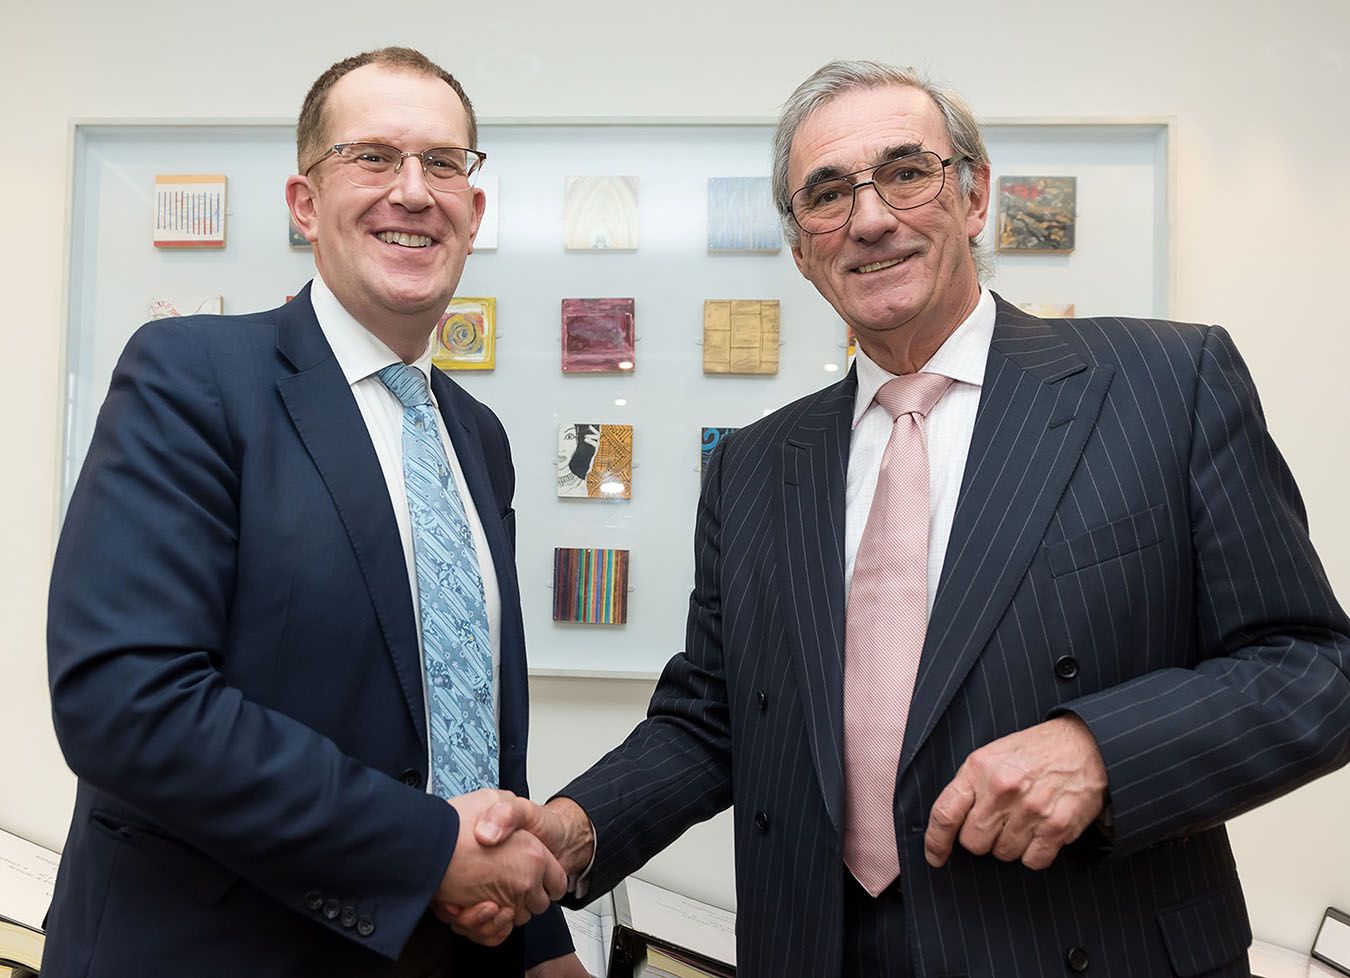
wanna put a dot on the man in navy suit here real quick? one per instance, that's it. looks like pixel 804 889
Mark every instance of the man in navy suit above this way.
pixel 1124 636
pixel 236 651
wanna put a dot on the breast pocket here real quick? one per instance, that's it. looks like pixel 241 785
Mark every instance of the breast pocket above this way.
pixel 1116 539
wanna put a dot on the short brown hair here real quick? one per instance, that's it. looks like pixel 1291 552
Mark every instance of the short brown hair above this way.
pixel 310 131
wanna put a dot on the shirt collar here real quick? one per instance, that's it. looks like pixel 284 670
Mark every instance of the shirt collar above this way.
pixel 359 352
pixel 962 357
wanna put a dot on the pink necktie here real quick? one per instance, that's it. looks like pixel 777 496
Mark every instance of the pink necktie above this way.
pixel 884 629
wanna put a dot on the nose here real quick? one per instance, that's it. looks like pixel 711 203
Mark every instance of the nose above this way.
pixel 872 216
pixel 410 189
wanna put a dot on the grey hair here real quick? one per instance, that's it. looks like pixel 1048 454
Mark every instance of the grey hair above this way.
pixel 838 77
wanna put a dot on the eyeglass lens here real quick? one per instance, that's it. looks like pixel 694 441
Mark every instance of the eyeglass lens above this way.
pixel 376 165
pixel 904 183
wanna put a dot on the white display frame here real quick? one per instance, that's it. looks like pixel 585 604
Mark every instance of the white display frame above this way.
pixel 1127 180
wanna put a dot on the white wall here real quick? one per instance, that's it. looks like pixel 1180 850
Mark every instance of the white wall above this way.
pixel 1257 89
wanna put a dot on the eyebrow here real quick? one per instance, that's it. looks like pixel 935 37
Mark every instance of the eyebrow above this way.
pixel 885 156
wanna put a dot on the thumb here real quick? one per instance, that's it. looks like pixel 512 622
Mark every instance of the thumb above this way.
pixel 498 823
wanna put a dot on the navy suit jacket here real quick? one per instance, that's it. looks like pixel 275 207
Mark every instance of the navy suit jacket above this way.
pixel 1128 546
pixel 235 674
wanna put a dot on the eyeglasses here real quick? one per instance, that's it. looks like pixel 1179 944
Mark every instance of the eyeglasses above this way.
pixel 902 184
pixel 446 168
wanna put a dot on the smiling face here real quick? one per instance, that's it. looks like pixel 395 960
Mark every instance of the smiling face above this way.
pixel 392 255
pixel 899 278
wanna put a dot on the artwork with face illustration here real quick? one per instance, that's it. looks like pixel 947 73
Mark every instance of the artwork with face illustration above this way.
pixel 595 461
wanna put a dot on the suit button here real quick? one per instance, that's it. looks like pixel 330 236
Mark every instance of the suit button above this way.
pixel 1066 667
pixel 762 821
pixel 331 908
pixel 1077 959
pixel 763 701
pixel 314 900
pixel 411 778
pixel 348 918
pixel 365 926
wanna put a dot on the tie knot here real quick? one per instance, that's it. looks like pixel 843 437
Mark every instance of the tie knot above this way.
pixel 406 383
pixel 912 393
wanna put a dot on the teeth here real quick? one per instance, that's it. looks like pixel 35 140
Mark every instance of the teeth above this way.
pixel 406 240
pixel 878 265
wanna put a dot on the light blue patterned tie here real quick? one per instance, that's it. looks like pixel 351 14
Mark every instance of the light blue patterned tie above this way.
pixel 450 590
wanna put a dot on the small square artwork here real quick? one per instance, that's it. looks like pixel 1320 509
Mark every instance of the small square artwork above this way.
pixel 296 237
pixel 1037 213
pixel 189 210
pixel 741 215
pixel 740 336
pixel 712 437
pixel 1048 310
pixel 597 335
pixel 486 240
pixel 590 586
pixel 601 214
pixel 466 338
pixel 595 461
pixel 208 305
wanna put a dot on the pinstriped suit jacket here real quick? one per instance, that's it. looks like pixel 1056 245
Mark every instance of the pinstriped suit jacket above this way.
pixel 1128 545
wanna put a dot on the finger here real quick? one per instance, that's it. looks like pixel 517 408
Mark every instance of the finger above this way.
pixel 946 818
pixel 981 829
pixel 537 901
pixel 555 881
pixel 477 914
pixel 1012 842
pixel 523 916
pixel 1040 853
pixel 498 822
pixel 491 928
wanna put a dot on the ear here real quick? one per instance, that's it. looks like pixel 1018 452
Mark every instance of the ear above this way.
pixel 301 198
pixel 797 257
pixel 977 205
pixel 479 205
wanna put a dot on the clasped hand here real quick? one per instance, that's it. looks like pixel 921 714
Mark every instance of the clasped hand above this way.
pixel 1022 797
pixel 504 883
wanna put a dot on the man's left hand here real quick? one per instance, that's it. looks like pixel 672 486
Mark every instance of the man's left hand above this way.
pixel 567 966
pixel 1022 797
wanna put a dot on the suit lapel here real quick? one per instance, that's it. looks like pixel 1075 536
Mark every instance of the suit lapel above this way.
pixel 1039 404
pixel 814 463
pixel 329 423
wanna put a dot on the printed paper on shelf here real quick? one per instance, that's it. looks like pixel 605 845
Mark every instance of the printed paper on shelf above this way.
pixel 27 879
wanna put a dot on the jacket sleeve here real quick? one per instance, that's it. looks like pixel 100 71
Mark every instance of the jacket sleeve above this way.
pixel 674 769
pixel 138 623
pixel 1267 706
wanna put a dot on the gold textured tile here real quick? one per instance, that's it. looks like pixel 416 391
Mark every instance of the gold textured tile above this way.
pixel 740 336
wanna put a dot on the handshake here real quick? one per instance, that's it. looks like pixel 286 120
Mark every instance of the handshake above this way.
pixel 511 861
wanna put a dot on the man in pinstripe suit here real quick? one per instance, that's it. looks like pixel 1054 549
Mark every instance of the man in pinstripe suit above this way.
pixel 1129 636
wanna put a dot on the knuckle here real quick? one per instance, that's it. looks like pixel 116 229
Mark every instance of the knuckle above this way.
pixel 943 816
pixel 1004 781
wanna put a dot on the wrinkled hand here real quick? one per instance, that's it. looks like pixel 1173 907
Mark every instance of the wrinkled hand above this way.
pixel 1022 797
pixel 561 825
pixel 517 878
pixel 567 966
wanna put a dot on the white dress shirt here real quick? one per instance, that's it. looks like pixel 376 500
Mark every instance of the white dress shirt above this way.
pixel 949 426
pixel 362 356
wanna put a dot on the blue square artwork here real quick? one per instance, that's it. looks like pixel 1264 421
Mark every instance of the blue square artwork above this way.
pixel 712 437
pixel 741 215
